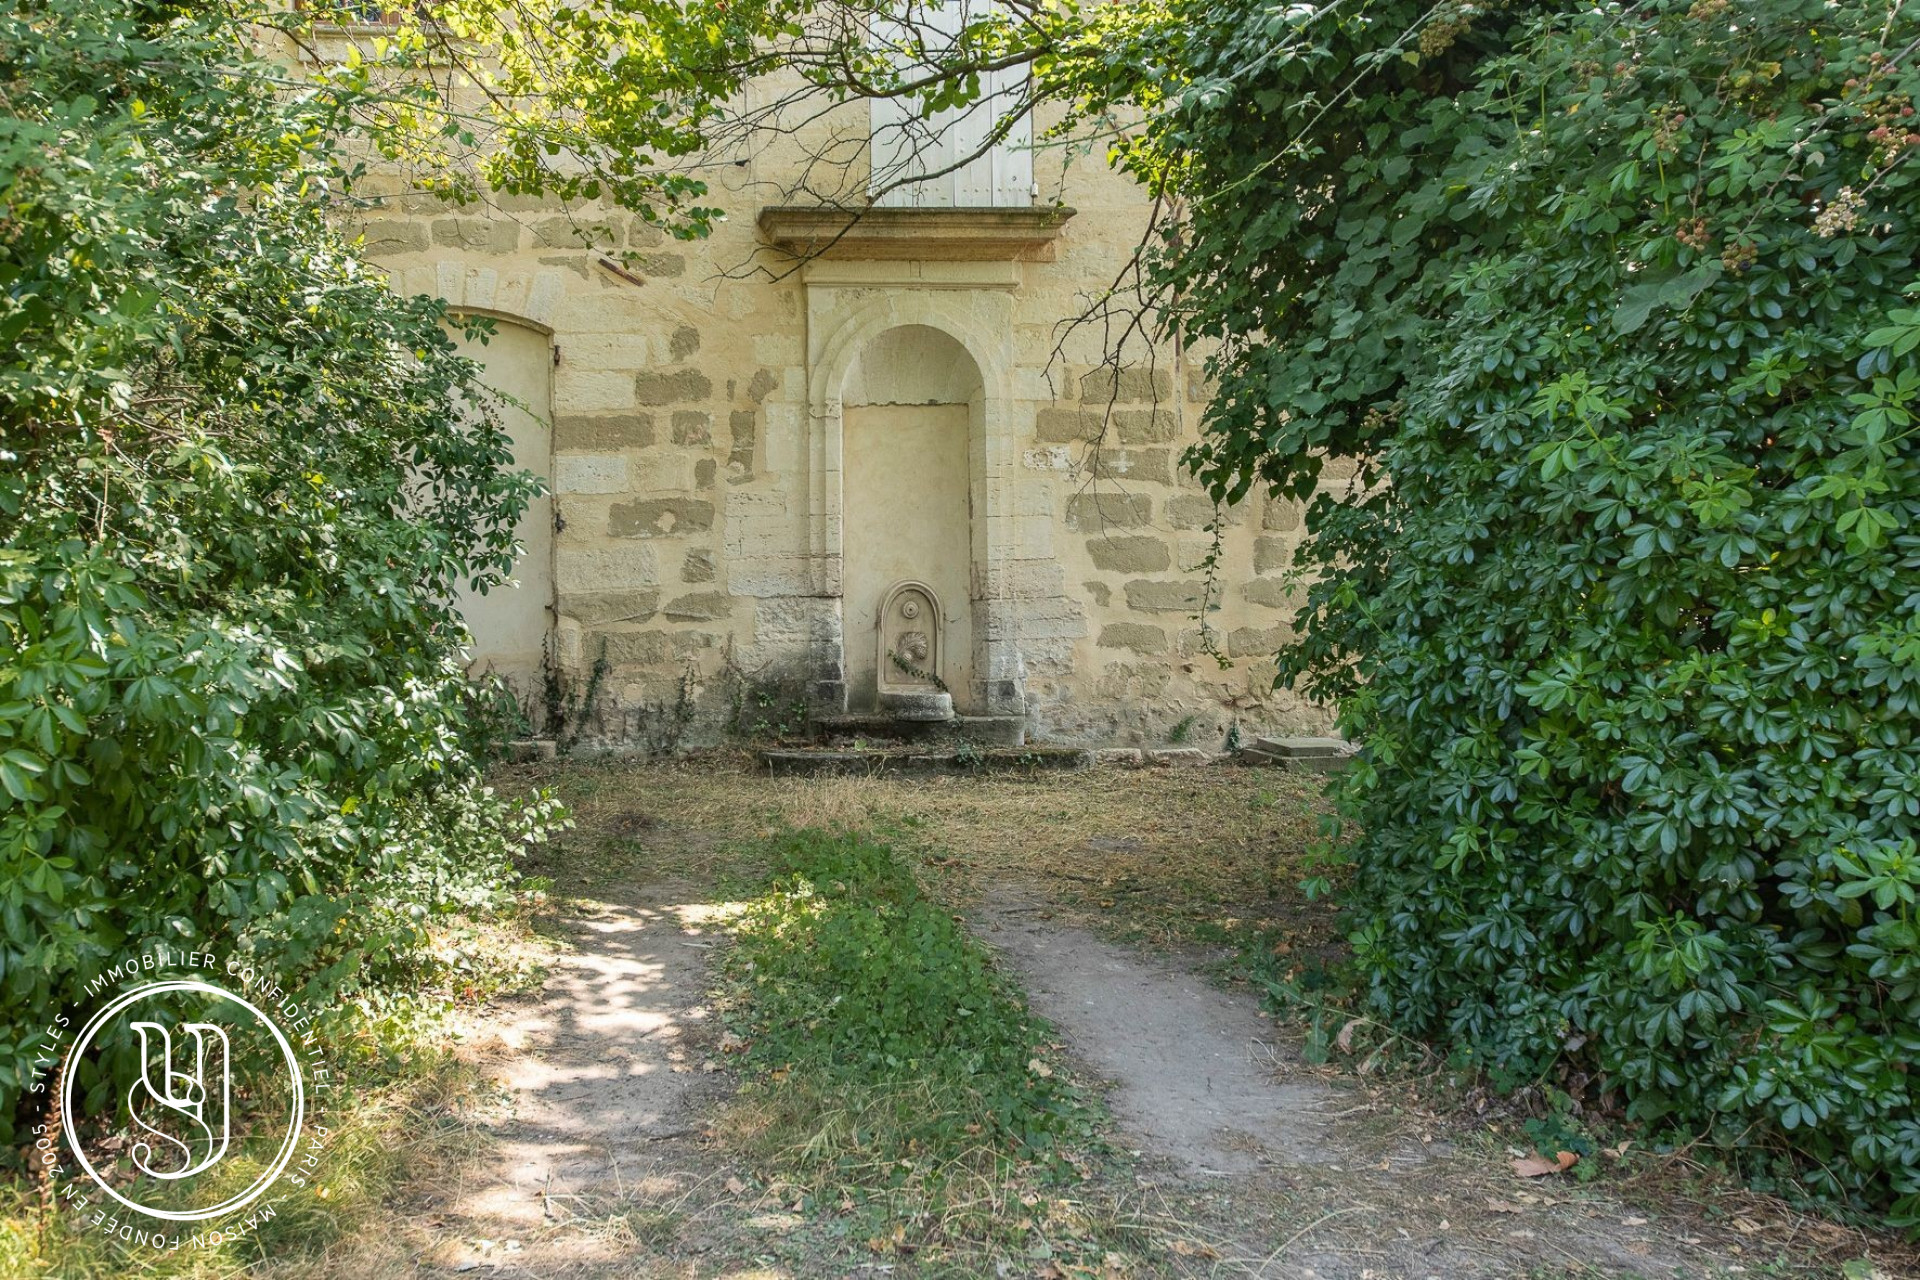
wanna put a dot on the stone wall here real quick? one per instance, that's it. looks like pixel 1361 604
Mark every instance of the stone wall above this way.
pixel 697 404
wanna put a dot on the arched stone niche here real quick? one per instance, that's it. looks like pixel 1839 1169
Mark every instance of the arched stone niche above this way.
pixel 944 358
pixel 910 409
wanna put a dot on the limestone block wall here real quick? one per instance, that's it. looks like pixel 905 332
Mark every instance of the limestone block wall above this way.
pixel 697 405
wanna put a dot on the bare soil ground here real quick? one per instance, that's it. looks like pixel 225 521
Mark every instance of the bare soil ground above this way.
pixel 1117 899
pixel 600 1086
pixel 1215 1096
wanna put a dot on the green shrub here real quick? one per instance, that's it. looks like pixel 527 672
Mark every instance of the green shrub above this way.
pixel 239 482
pixel 1606 302
pixel 857 980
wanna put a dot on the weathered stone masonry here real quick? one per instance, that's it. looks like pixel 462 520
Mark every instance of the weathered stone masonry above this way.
pixel 708 521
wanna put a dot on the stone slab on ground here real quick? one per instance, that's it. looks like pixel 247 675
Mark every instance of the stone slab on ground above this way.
pixel 1179 757
pixel 1303 748
pixel 983 731
pixel 1320 754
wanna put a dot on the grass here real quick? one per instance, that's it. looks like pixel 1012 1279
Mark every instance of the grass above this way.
pixel 1206 863
pixel 1163 856
pixel 893 1074
pixel 828 1161
pixel 401 1120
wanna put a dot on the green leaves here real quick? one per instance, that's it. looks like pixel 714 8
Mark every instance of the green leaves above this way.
pixel 1672 289
pixel 18 769
pixel 1626 620
pixel 205 647
pixel 1889 875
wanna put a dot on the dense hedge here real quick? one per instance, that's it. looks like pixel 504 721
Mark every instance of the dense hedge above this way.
pixel 237 486
pixel 1614 306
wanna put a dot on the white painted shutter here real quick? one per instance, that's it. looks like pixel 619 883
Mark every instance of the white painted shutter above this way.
pixel 1011 162
pixel 903 143
pixel 892 152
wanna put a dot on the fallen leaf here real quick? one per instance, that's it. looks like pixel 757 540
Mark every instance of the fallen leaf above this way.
pixel 1539 1167
pixel 1039 1068
pixel 1505 1206
pixel 1193 1249
pixel 734 1186
pixel 1345 1039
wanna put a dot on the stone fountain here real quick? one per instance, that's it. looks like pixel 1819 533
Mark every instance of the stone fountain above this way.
pixel 911 653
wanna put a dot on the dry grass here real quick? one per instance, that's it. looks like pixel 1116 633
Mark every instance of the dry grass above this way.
pixel 1168 858
pixel 412 1128
pixel 1162 855
pixel 403 1122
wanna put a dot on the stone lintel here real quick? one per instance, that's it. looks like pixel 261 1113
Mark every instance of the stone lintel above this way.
pixel 928 235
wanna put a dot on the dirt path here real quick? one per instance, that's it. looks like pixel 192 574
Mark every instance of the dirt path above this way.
pixel 1288 1173
pixel 602 1085
pixel 1271 1169
pixel 1192 1070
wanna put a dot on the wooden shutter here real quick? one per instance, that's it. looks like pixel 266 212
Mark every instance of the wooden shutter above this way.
pixel 904 143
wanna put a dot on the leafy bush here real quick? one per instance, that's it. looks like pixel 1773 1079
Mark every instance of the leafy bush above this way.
pixel 239 483
pixel 1606 304
pixel 853 976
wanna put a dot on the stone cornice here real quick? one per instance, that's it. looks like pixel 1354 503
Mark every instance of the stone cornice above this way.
pixel 927 234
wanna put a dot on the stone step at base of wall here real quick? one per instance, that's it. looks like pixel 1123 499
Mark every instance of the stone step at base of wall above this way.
pixel 1161 757
pixel 964 759
pixel 983 731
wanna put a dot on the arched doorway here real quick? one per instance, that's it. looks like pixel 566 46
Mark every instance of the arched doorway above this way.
pixel 511 623
pixel 911 408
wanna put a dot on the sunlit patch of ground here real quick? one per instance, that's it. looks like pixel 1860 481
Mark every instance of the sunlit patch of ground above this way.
pixel 1193 872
